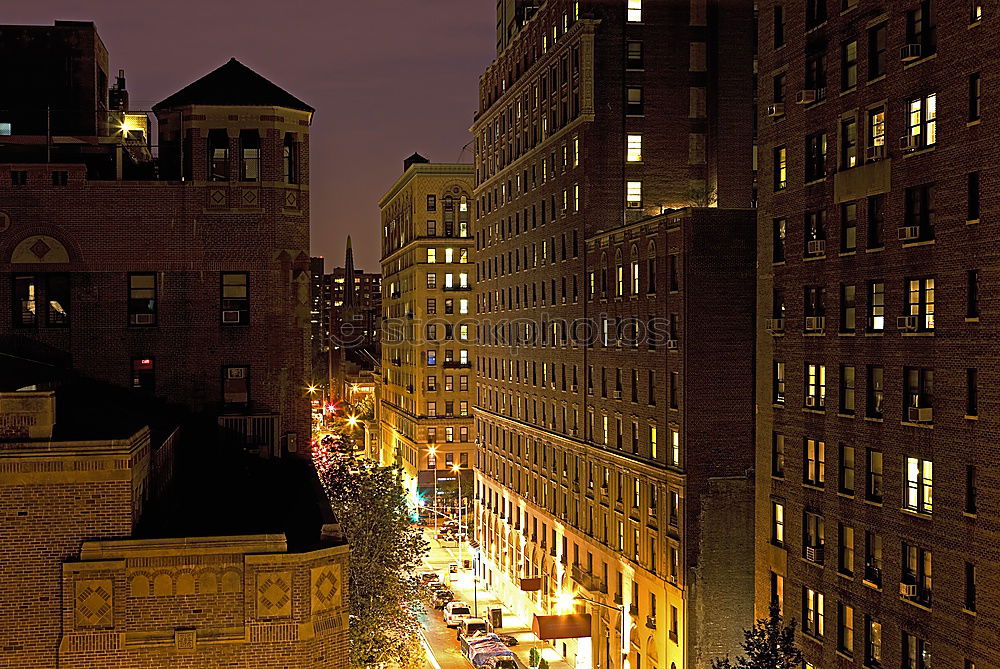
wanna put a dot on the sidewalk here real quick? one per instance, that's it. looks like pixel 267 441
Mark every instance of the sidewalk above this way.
pixel 467 590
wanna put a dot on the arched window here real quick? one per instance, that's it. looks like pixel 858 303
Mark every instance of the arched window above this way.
pixel 651 268
pixel 634 270
pixel 619 274
pixel 604 274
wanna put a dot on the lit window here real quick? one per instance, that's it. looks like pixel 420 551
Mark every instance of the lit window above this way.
pixel 633 152
pixel 235 298
pixel 432 255
pixel 919 493
pixel 923 122
pixel 5 129
pixel 463 306
pixel 633 194
pixel 634 11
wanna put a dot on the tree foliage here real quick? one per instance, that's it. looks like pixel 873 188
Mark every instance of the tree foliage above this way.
pixel 386 550
pixel 768 645
pixel 365 408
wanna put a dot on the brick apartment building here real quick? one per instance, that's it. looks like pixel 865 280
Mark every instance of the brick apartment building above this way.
pixel 191 271
pixel 426 394
pixel 876 349
pixel 80 472
pixel 606 176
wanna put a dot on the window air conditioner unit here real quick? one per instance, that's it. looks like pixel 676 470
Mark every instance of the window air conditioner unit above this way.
pixel 805 97
pixel 618 394
pixel 815 323
pixel 921 414
pixel 909 233
pixel 875 152
pixel 816 247
pixel 774 325
pixel 810 400
pixel 909 52
pixel 572 431
pixel 236 373
pixel 908 589
pixel 909 142
pixel 814 553
pixel 572 387
pixel 672 344
pixel 142 319
pixel 906 322
pixel 775 110
pixel 230 316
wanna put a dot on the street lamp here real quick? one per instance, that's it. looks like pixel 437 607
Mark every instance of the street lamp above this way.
pixel 457 469
pixel 432 451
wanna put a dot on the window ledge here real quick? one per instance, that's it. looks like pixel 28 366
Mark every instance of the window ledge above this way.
pixel 846 334
pixel 926 426
pixel 915 514
pixel 847 577
pixel 845 495
pixel 922 607
pixel 815 411
pixel 968 417
pixel 870 502
pixel 975 24
pixel 777 406
pixel 875 249
pixel 815 181
pixel 813 486
pixel 925 242
pixel 849 658
pixel 919 152
pixel 848 91
pixel 970 515
pixel 968 612
pixel 972 319
pixel 844 254
pixel 876 79
pixel 875 333
pixel 871 585
pixel 844 415
pixel 970 124
pixel 809 258
pixel 924 333
pixel 814 334
pixel 922 60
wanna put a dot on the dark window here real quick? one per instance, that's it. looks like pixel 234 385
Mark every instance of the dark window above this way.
pixel 19 177
pixel 876 51
pixel 849 64
pixel 633 54
pixel 777 455
pixel 848 143
pixel 876 222
pixel 816 74
pixel 235 298
pixel 142 299
pixel 815 157
pixel 846 389
pixel 972 200
pixel 778 383
pixel 917 571
pixel 873 556
pixel 143 375
pixel 848 227
pixel 290 159
pixel 25 303
pixel 972 293
pixel 779 87
pixel 236 386
pixel 970 490
pixel 974 96
pixel 846 468
pixel 815 234
pixel 875 391
pixel 815 13
pixel 779 26
pixel 970 586
pixel 918 393
pixel 873 478
pixel 634 101
pixel 59 178
pixel 218 155
pixel 249 155
pixel 920 28
pixel 57 297
pixel 919 214
pixel 971 392
pixel 780 230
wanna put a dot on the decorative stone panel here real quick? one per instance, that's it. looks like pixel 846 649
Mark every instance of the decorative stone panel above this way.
pixel 326 587
pixel 95 603
pixel 274 594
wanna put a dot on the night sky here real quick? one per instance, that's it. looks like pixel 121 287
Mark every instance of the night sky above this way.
pixel 387 78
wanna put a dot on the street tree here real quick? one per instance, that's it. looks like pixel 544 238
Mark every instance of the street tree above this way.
pixel 386 551
pixel 768 645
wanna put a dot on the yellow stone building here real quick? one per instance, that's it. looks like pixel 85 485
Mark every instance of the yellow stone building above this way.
pixel 426 393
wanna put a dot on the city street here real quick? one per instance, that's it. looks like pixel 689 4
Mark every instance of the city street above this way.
pixel 442 641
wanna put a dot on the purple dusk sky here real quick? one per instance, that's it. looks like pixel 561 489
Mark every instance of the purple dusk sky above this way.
pixel 387 78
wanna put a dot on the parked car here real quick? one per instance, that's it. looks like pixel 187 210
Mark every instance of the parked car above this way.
pixel 429 576
pixel 469 627
pixel 455 612
pixel 441 598
pixel 508 640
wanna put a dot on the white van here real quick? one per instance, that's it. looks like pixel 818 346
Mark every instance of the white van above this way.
pixel 455 612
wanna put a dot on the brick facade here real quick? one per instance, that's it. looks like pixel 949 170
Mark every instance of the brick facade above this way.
pixel 901 469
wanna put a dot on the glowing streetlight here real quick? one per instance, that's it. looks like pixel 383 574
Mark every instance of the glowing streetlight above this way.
pixel 565 602
pixel 312 389
pixel 352 421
